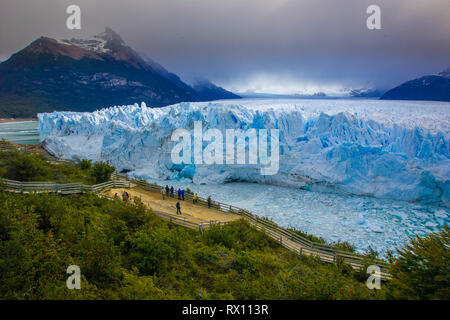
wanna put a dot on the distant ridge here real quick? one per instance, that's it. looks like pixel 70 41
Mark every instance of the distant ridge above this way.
pixel 206 91
pixel 432 88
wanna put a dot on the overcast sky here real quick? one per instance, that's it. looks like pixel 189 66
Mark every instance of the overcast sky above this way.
pixel 278 46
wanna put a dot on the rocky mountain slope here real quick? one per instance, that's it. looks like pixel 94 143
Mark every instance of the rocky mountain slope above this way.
pixel 85 75
pixel 432 88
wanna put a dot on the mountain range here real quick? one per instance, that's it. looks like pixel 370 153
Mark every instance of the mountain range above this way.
pixel 431 87
pixel 88 74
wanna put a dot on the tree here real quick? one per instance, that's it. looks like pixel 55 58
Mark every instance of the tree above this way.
pixel 102 171
pixel 26 166
pixel 421 271
pixel 85 164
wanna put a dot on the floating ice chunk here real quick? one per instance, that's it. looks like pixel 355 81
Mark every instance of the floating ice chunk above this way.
pixel 431 224
pixel 440 214
pixel 377 229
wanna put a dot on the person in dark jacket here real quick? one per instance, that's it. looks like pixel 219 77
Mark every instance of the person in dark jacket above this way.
pixel 178 208
pixel 209 201
pixel 167 191
pixel 171 191
pixel 179 194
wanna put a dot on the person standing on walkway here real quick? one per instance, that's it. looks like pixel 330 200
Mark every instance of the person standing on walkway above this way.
pixel 171 191
pixel 195 199
pixel 162 193
pixel 182 194
pixel 178 208
pixel 209 201
pixel 167 191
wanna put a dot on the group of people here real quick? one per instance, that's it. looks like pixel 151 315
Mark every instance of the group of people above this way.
pixel 170 192
pixel 125 196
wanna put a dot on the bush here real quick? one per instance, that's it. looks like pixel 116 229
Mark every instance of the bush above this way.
pixel 34 166
pixel 85 164
pixel 421 271
pixel 101 171
pixel 26 166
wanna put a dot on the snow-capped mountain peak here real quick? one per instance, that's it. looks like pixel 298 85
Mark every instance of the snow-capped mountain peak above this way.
pixel 109 43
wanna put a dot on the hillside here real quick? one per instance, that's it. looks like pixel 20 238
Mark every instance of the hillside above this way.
pixel 85 75
pixel 431 88
pixel 125 251
pixel 207 91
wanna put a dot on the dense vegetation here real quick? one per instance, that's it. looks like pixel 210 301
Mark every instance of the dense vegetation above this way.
pixel 31 166
pixel 126 252
pixel 422 269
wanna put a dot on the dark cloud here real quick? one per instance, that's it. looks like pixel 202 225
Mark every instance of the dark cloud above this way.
pixel 276 45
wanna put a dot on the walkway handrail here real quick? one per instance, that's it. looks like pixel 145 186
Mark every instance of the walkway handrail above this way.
pixel 186 223
pixel 63 188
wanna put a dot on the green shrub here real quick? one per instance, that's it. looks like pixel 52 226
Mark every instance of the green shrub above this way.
pixel 32 166
pixel 85 164
pixel 26 166
pixel 421 271
pixel 101 171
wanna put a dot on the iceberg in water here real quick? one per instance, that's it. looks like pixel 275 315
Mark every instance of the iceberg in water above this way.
pixel 386 149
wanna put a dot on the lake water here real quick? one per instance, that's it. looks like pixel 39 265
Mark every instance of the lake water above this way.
pixel 25 132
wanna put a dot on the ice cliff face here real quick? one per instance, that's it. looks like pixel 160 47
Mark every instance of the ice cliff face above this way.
pixel 385 149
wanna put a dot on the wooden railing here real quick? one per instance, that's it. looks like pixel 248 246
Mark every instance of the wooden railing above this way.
pixel 62 188
pixel 186 223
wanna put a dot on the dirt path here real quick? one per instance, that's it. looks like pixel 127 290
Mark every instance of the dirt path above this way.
pixel 190 211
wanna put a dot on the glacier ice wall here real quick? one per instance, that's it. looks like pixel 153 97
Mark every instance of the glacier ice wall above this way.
pixel 386 149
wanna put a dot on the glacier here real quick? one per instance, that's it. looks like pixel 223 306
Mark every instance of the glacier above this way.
pixel 384 149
